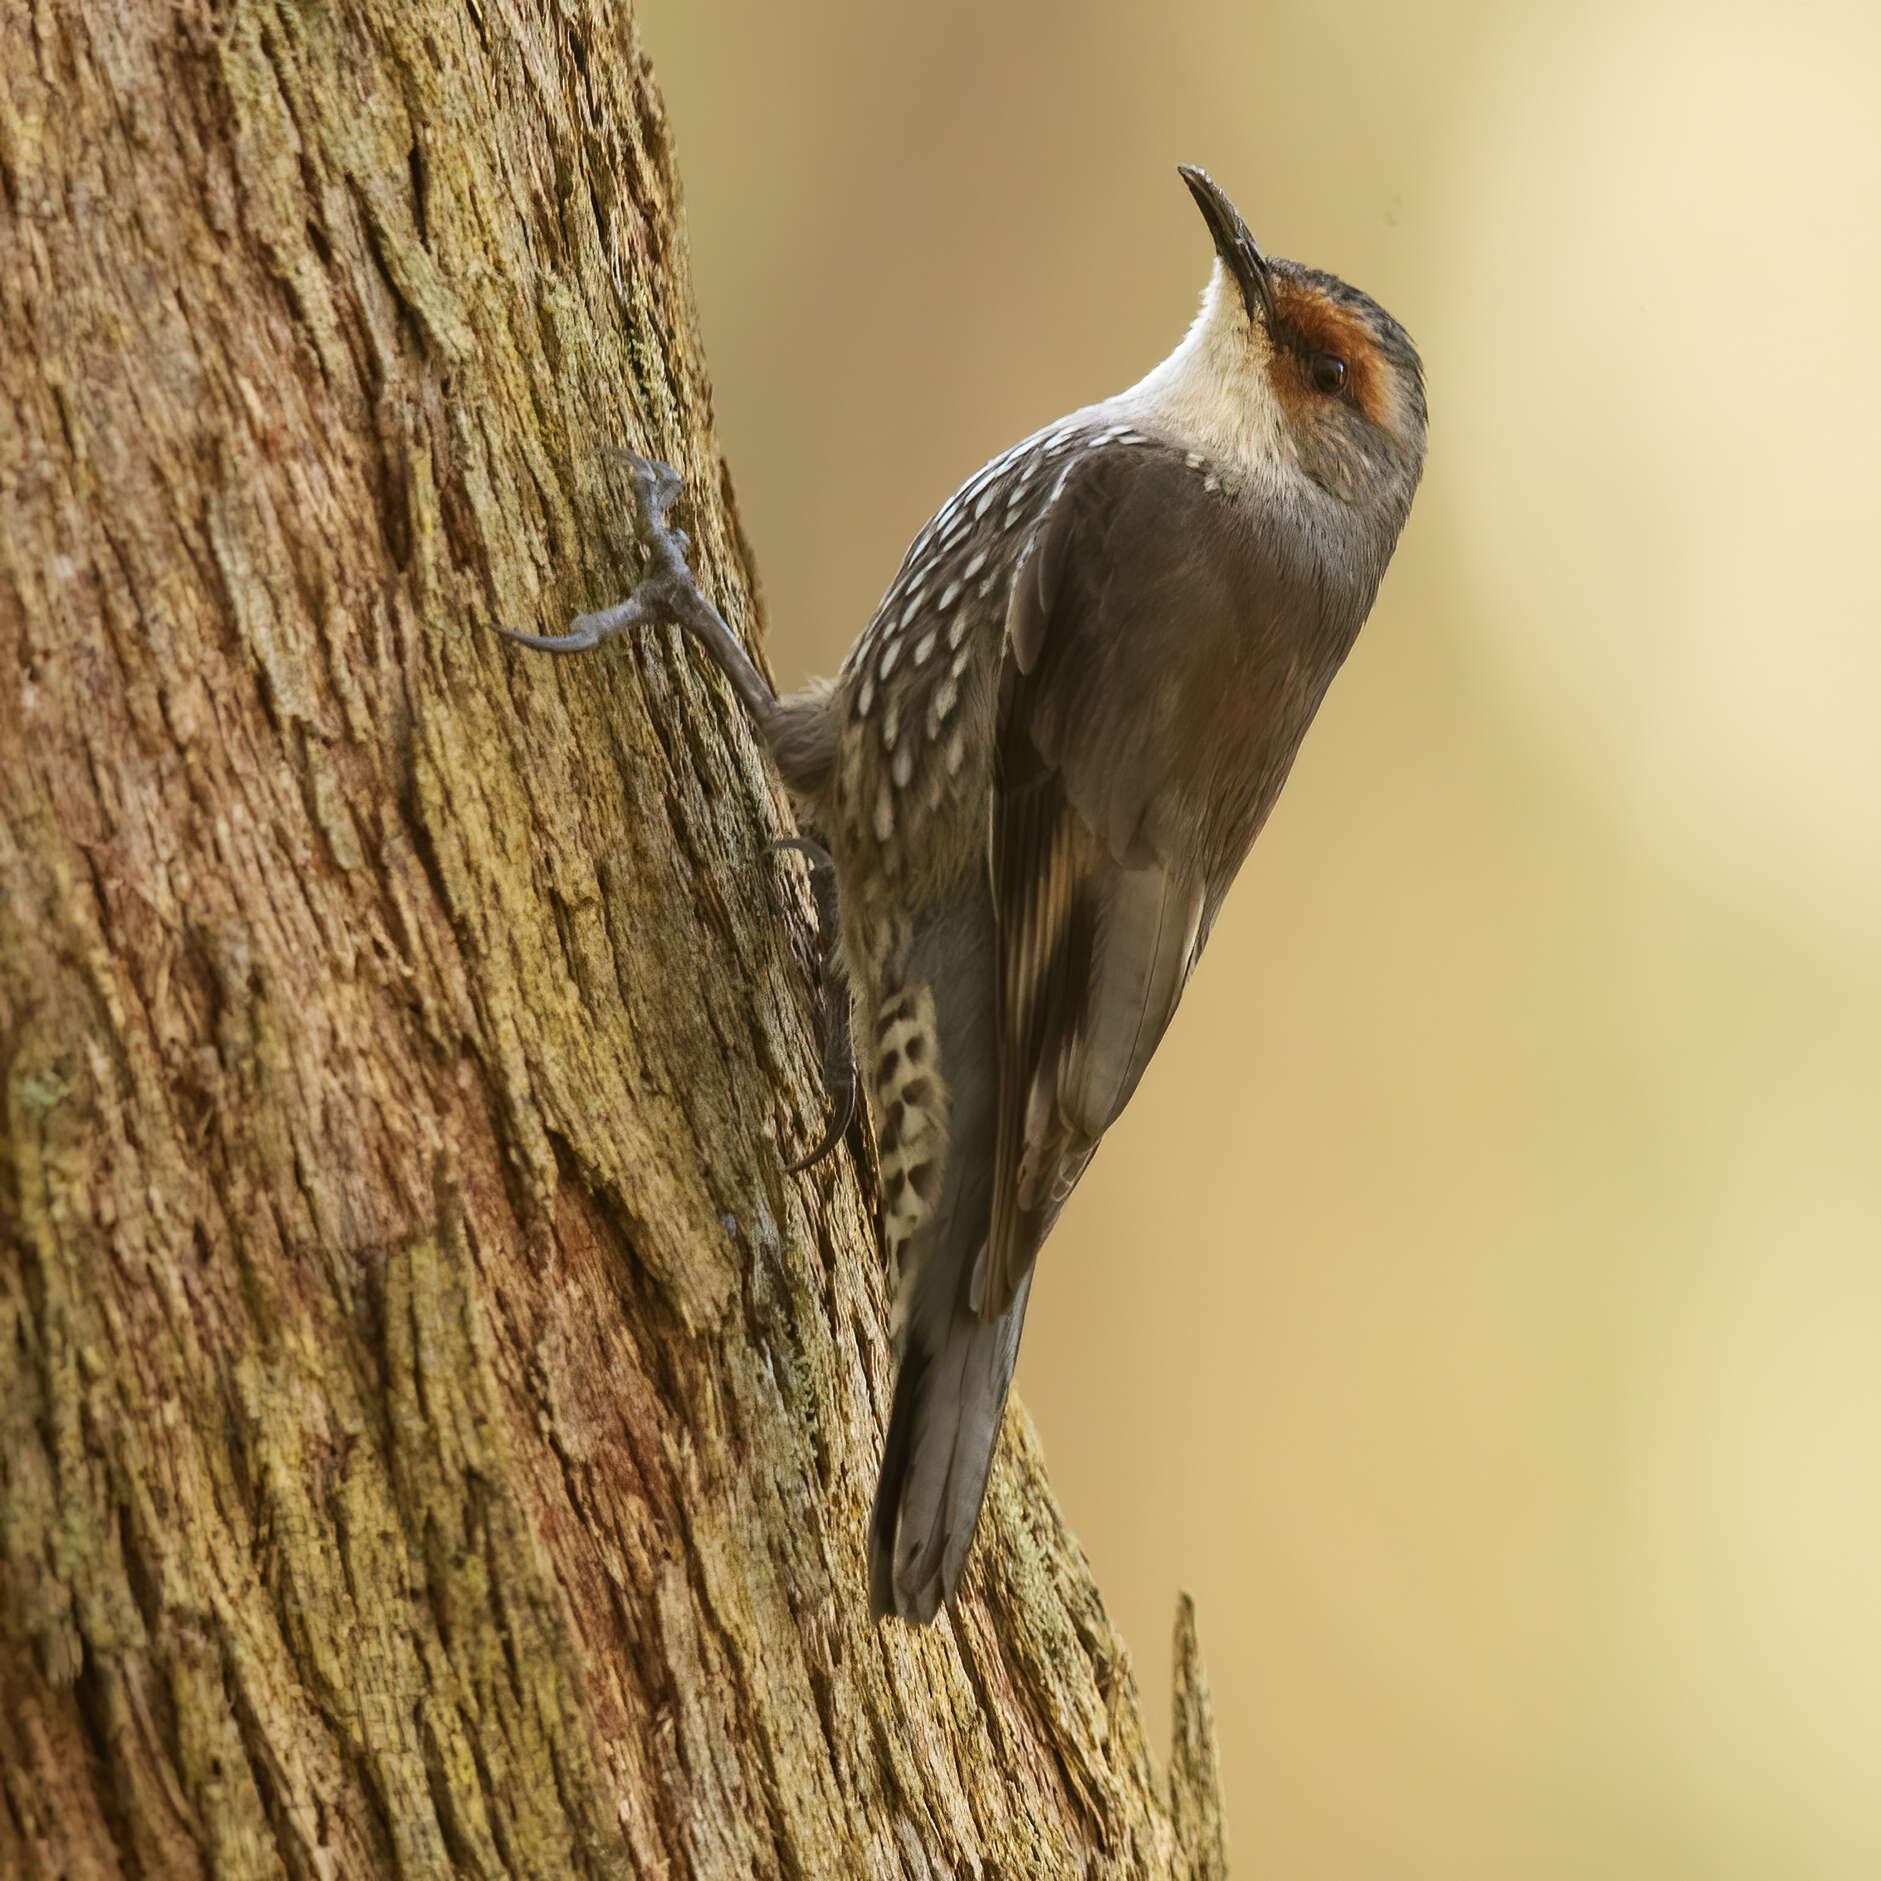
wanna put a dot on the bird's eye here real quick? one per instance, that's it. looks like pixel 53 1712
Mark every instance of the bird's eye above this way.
pixel 1328 374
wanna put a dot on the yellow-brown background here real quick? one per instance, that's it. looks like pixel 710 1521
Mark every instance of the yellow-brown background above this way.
pixel 1480 1307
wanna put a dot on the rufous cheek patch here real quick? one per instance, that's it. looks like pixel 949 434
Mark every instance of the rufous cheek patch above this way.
pixel 1322 326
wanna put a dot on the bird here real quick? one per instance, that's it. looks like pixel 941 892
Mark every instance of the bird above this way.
pixel 1033 780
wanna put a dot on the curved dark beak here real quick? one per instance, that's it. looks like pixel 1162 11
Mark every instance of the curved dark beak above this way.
pixel 1233 243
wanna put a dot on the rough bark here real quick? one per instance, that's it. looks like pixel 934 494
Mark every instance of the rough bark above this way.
pixel 437 1435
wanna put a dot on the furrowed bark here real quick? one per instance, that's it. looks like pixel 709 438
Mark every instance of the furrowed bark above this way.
pixel 437 1436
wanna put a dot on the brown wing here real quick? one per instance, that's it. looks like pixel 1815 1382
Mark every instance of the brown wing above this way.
pixel 1161 665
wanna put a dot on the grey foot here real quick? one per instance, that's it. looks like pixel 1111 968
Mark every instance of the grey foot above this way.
pixel 839 1058
pixel 666 595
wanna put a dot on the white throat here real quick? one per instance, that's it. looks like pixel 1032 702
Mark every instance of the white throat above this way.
pixel 1213 395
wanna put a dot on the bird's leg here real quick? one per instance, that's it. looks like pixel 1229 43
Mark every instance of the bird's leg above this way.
pixel 839 1057
pixel 665 593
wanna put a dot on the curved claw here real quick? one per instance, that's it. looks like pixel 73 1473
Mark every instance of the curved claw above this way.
pixel 819 857
pixel 655 472
pixel 572 642
pixel 842 1117
pixel 655 484
pixel 585 630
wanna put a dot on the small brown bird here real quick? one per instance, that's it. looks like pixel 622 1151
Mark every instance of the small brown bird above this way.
pixel 1037 773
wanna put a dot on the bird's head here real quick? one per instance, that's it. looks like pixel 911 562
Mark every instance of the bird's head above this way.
pixel 1288 372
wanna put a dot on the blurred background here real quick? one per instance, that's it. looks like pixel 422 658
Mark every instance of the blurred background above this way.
pixel 1479 1308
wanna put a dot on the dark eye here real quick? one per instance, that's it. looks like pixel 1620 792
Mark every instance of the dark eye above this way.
pixel 1328 374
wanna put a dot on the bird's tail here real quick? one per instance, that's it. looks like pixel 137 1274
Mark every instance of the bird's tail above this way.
pixel 949 1396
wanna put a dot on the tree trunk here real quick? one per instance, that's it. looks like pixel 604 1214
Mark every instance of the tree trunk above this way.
pixel 437 1434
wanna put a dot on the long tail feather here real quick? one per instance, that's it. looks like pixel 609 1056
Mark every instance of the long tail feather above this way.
pixel 949 1397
